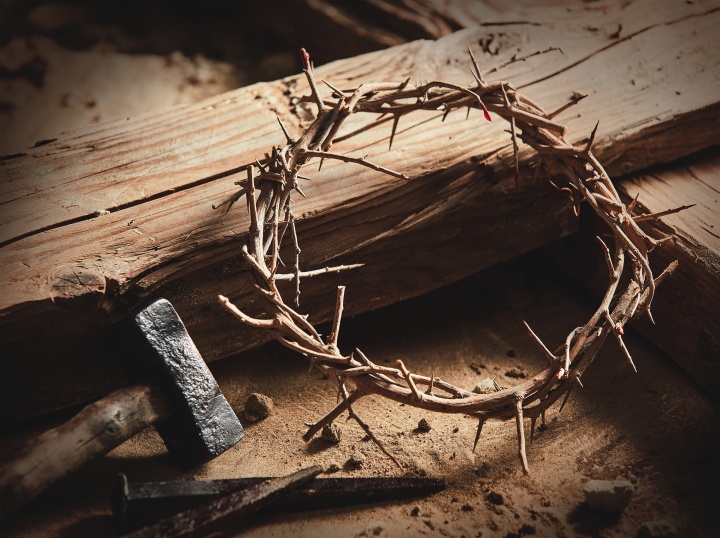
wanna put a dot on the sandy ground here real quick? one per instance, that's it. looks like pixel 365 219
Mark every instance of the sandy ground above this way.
pixel 654 428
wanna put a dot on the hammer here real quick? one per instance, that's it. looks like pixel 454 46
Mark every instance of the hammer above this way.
pixel 186 406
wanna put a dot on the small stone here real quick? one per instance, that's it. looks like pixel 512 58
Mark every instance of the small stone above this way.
pixel 656 529
pixel 609 496
pixel 424 425
pixel 332 468
pixel 467 508
pixel 486 386
pixel 258 405
pixel 356 460
pixel 495 498
pixel 415 511
pixel 331 433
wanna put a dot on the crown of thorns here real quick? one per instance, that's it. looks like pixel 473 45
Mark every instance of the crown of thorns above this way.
pixel 272 182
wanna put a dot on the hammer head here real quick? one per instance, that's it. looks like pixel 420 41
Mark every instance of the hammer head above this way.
pixel 203 425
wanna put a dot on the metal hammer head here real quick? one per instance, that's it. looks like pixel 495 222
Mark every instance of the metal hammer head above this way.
pixel 203 425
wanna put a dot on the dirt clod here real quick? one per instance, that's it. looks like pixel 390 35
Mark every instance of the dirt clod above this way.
pixel 331 433
pixel 258 407
pixel 356 460
pixel 495 498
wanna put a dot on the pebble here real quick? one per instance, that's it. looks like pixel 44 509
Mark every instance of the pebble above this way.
pixel 486 386
pixel 332 468
pixel 657 529
pixel 356 460
pixel 424 425
pixel 331 433
pixel 609 496
pixel 258 407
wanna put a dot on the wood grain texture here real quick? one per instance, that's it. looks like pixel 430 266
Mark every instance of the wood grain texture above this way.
pixel 367 25
pixel 69 274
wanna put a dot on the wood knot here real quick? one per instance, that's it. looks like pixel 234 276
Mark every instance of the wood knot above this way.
pixel 77 288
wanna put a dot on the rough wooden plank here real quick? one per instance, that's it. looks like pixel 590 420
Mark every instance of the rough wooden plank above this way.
pixel 353 28
pixel 69 275
pixel 687 324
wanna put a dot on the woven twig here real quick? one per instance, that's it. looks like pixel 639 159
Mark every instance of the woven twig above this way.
pixel 269 191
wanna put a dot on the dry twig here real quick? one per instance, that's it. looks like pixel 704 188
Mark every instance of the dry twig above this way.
pixel 575 169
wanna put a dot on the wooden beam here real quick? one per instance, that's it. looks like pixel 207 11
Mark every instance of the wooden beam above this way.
pixel 104 218
pixel 338 30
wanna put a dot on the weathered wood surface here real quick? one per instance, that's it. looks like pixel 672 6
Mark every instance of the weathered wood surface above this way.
pixel 686 310
pixel 92 433
pixel 353 28
pixel 69 274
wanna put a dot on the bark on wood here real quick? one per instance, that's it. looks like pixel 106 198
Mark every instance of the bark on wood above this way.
pixel 70 270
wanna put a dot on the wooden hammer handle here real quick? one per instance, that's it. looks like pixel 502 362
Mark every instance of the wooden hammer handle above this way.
pixel 97 429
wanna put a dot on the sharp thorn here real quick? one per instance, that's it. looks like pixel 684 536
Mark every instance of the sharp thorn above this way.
pixel 396 120
pixel 533 421
pixel 285 132
pixel 481 422
pixel 567 395
pixel 631 205
pixel 588 147
pixel 539 343
pixel 476 66
pixel 333 88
